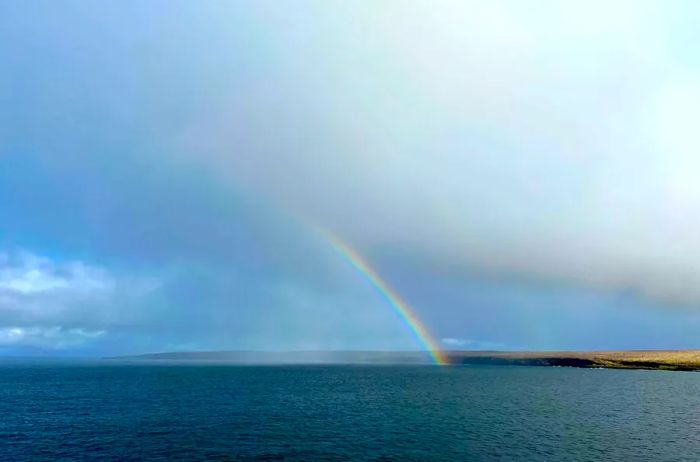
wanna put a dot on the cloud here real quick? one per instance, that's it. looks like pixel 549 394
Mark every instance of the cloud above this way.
pixel 454 341
pixel 45 303
pixel 53 304
pixel 47 337
pixel 457 146
pixel 26 274
pixel 469 344
pixel 549 145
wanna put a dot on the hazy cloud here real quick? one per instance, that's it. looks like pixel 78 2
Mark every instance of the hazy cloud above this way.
pixel 553 144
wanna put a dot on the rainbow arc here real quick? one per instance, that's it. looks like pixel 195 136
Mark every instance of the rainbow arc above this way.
pixel 402 309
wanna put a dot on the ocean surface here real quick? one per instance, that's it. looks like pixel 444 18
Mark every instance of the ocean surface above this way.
pixel 102 410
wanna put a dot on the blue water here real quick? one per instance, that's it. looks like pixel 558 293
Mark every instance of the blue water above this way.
pixel 110 411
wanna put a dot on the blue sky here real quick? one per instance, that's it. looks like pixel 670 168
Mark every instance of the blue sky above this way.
pixel 523 174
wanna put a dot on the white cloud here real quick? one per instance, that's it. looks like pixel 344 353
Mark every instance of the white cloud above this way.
pixel 469 344
pixel 54 337
pixel 25 273
pixel 50 303
pixel 454 342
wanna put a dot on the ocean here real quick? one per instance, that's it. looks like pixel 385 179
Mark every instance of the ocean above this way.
pixel 107 410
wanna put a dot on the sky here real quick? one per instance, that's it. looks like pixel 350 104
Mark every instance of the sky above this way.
pixel 522 174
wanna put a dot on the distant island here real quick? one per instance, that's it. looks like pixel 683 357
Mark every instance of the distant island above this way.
pixel 674 360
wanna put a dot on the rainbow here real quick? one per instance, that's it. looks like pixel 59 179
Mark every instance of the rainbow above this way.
pixel 402 309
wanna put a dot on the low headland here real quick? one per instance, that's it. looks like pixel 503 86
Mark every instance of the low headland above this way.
pixel 673 360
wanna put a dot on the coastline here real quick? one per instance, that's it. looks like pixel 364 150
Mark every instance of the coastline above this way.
pixel 670 360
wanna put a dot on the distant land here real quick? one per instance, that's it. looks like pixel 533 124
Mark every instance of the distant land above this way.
pixel 675 360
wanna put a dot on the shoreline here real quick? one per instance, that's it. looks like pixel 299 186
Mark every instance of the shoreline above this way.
pixel 670 360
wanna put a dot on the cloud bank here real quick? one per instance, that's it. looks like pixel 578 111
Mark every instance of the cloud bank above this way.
pixel 48 304
pixel 554 144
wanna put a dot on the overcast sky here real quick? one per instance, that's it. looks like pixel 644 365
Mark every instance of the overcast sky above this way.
pixel 526 175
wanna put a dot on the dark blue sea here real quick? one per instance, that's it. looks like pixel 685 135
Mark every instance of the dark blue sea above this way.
pixel 113 411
